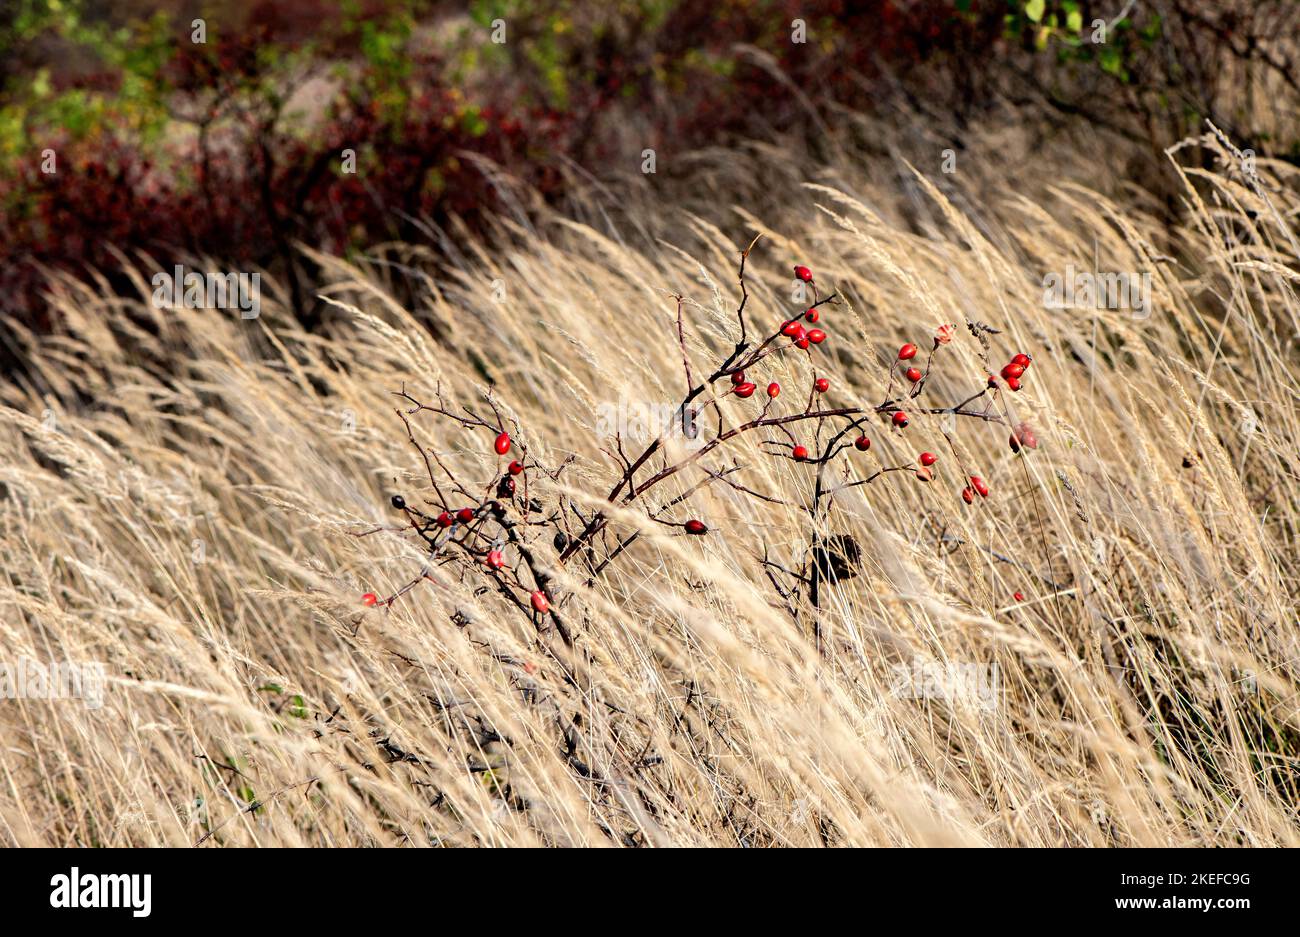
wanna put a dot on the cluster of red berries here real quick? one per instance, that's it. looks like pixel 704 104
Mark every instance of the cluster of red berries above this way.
pixel 464 515
pixel 977 486
pixel 1012 372
pixel 743 388
pixel 907 353
pixel 913 374
pixel 803 337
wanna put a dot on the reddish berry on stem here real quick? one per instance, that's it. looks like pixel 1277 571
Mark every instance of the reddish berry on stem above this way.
pixel 791 329
pixel 822 385
pixel 1021 359
pixel 540 602
pixel 816 336
pixel 812 315
pixel 773 389
pixel 907 352
pixel 803 273
pixel 1023 435
pixel 495 559
pixel 913 374
pixel 745 390
pixel 738 377
pixel 862 444
pixel 900 419
pixel 696 528
pixel 369 599
pixel 515 468
pixel 445 519
pixel 802 342
pixel 928 458
pixel 1019 596
pixel 993 382
pixel 967 495
pixel 1013 370
pixel 924 474
pixel 800 453
pixel 503 444
pixel 465 515
pixel 1013 383
pixel 978 484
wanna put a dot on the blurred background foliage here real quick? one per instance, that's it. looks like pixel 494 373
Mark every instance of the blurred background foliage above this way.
pixel 232 148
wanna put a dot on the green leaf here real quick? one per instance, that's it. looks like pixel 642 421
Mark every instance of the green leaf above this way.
pixel 1110 60
pixel 1034 10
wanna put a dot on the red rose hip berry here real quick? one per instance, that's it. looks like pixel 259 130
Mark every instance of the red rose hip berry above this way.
pixel 540 602
pixel 822 385
pixel 907 352
pixel 773 389
pixel 745 390
pixel 696 528
pixel 803 273
pixel 502 444
pixel 800 453
pixel 862 444
pixel 913 374
pixel 928 458
pixel 899 419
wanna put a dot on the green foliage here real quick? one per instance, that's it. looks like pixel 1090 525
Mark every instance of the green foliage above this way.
pixel 1059 25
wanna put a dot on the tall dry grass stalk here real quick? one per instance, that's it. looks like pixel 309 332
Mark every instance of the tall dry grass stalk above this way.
pixel 178 502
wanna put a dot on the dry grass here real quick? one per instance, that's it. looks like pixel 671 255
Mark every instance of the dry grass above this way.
pixel 177 505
